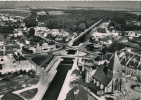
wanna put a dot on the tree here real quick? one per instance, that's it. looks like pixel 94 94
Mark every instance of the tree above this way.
pixel 90 47
pixel 30 22
pixel 92 39
pixel 31 31
pixel 31 73
pixel 81 27
pixel 109 98
pixel 76 72
pixel 139 18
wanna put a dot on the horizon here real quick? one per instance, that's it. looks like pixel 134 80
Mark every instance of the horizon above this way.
pixel 46 4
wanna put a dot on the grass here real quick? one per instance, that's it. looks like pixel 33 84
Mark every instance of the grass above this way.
pixel 15 82
pixel 29 94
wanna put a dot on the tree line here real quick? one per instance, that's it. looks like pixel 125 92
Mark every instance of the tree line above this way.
pixel 79 20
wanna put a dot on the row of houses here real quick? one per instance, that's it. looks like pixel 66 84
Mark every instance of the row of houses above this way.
pixel 11 18
pixel 130 61
pixel 131 64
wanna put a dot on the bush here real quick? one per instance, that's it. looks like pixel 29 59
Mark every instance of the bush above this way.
pixel 76 72
pixel 31 73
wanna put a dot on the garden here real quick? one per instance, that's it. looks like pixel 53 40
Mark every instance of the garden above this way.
pixel 29 94
pixel 18 80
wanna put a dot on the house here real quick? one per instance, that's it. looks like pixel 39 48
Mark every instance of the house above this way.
pixel 102 58
pixel 63 33
pixel 131 64
pixel 79 93
pixel 18 32
pixel 40 31
pixel 107 40
pixel 55 12
pixel 131 34
pixel 41 13
pixel 108 77
pixel 122 39
pixel 1 40
pixel 54 32
pixel 101 32
pixel 45 47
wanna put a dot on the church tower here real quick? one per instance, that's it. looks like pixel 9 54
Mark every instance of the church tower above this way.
pixel 115 72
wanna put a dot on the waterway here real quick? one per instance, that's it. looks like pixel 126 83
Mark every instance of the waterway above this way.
pixel 54 89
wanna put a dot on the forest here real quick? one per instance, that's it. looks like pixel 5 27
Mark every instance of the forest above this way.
pixel 79 20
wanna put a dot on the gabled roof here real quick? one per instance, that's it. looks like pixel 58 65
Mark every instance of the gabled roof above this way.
pixel 124 61
pixel 114 63
pixel 122 39
pixel 103 57
pixel 132 64
pixel 128 55
pixel 139 67
pixel 101 77
pixel 136 57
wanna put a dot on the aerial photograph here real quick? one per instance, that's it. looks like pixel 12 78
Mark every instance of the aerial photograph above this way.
pixel 70 50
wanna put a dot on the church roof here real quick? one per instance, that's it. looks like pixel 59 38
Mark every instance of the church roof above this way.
pixel 101 77
pixel 114 63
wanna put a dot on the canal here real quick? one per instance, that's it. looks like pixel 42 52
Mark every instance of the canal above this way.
pixel 54 89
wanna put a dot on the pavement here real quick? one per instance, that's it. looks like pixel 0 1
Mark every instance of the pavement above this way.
pixel 66 88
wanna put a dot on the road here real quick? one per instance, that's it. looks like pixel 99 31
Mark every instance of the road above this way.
pixel 83 33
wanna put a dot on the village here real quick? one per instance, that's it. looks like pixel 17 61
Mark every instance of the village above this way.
pixel 40 63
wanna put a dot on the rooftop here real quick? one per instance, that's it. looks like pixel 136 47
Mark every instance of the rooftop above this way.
pixel 101 77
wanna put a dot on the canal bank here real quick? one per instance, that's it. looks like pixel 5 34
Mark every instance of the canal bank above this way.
pixel 54 89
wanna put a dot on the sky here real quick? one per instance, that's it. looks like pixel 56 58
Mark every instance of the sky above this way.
pixel 44 4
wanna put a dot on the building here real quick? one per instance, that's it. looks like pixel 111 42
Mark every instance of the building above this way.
pixel 1 40
pixel 54 32
pixel 101 59
pixel 131 64
pixel 101 32
pixel 41 13
pixel 107 78
pixel 122 39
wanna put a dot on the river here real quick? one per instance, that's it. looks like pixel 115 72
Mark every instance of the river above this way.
pixel 54 89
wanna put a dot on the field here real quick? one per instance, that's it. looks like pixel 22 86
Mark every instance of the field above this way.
pixel 18 12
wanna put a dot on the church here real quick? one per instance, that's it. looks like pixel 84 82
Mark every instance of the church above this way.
pixel 107 77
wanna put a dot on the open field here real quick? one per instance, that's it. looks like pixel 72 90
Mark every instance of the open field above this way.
pixel 19 12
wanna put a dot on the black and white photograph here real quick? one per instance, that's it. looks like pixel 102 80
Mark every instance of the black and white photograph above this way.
pixel 70 50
